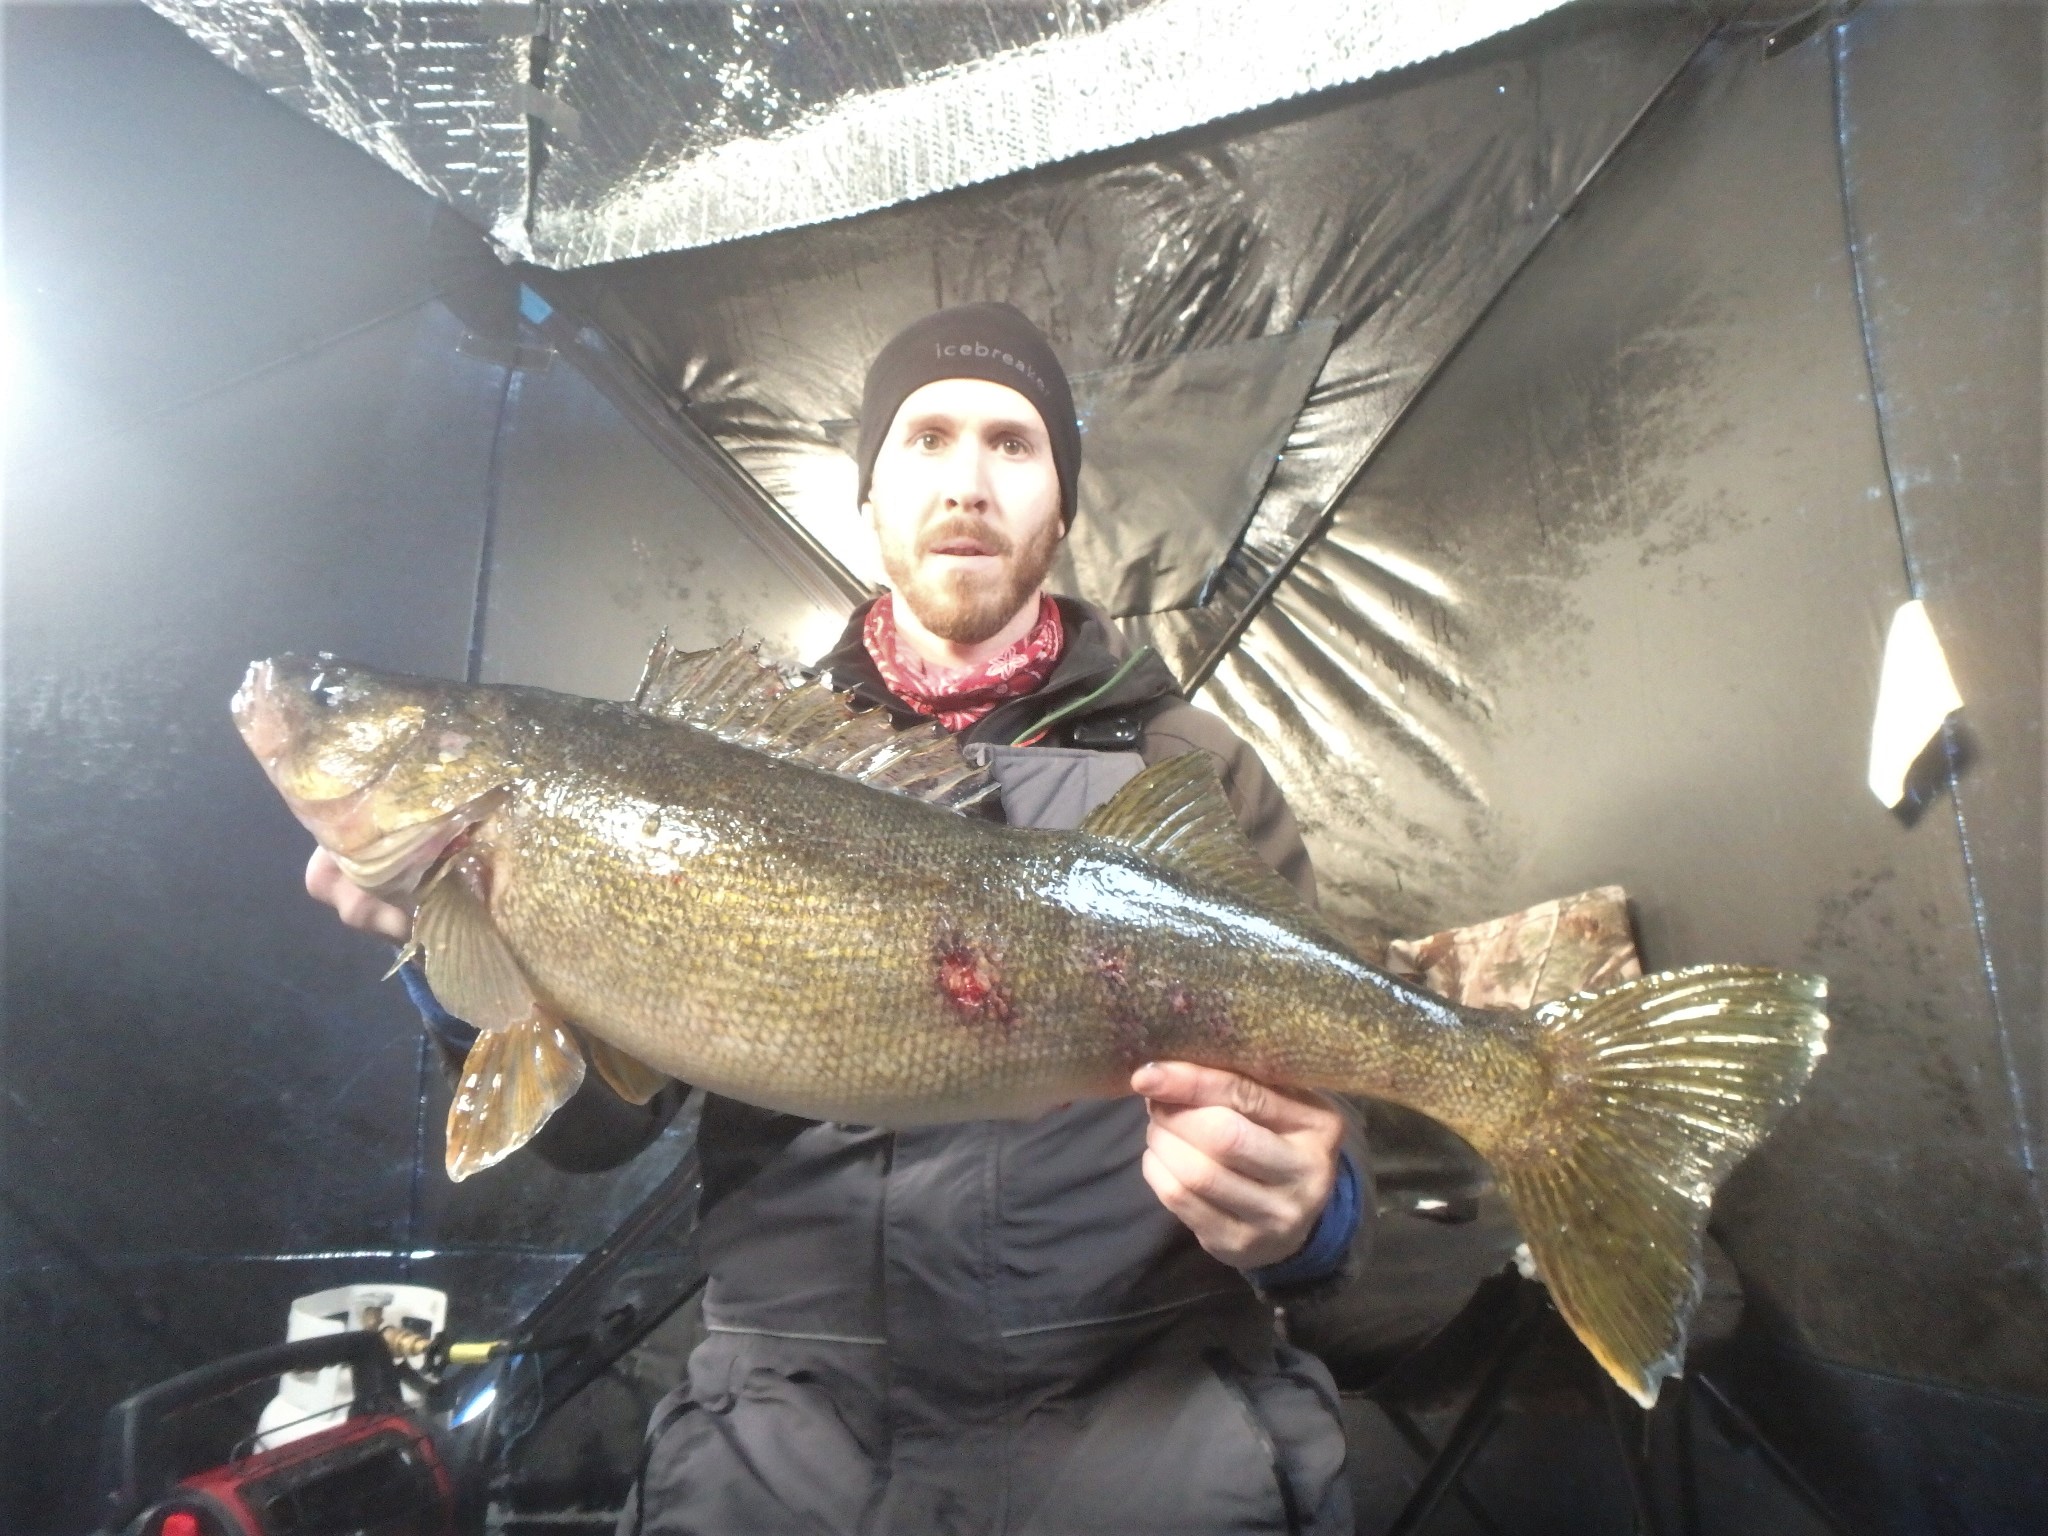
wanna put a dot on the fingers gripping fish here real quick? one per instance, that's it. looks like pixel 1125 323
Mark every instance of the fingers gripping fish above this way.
pixel 739 882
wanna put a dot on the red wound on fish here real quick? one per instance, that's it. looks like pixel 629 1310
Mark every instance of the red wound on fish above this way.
pixel 970 979
pixel 1202 1020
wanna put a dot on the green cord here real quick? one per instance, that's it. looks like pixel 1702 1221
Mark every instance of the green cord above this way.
pixel 1082 703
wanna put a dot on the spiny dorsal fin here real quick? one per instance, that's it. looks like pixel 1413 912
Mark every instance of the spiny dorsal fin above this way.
pixel 739 697
pixel 1175 812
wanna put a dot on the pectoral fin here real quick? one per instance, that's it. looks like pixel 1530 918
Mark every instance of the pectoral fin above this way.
pixel 630 1078
pixel 526 1062
pixel 513 1080
pixel 468 965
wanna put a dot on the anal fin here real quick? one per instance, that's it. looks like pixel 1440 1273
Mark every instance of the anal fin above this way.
pixel 628 1076
pixel 513 1080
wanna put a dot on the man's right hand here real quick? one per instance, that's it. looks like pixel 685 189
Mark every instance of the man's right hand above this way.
pixel 358 908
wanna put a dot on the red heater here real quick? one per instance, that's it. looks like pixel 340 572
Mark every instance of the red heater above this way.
pixel 375 1474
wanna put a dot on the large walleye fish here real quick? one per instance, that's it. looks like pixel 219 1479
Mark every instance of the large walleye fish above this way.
pixel 741 882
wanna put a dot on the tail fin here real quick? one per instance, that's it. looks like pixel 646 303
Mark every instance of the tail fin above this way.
pixel 1662 1085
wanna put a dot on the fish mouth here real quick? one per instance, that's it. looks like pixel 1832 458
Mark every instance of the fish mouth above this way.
pixel 264 729
pixel 384 836
pixel 285 705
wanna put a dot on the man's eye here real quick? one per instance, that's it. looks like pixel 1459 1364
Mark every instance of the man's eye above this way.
pixel 1015 447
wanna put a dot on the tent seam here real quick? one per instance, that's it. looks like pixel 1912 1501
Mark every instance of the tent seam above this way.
pixel 472 672
pixel 494 475
pixel 1852 235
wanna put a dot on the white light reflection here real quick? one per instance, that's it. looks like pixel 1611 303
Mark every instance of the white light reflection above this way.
pixel 1106 889
pixel 476 1407
pixel 815 634
pixel 1916 693
pixel 821 490
pixel 668 838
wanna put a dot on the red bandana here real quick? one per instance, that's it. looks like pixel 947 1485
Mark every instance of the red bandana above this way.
pixel 958 699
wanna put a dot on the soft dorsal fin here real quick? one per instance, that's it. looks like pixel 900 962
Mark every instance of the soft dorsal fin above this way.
pixel 1175 812
pixel 739 697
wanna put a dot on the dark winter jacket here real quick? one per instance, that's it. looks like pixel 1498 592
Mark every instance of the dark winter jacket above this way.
pixel 995 1326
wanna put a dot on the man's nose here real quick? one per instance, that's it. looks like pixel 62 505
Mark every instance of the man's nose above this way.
pixel 965 483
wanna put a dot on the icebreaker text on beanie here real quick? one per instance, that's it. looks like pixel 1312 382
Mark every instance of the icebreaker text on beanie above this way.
pixel 973 341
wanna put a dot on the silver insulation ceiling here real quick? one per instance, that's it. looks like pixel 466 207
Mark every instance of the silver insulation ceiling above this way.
pixel 577 134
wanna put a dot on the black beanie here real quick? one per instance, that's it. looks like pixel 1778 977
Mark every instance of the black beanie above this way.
pixel 973 341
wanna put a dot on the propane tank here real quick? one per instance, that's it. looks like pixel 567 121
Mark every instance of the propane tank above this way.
pixel 408 1316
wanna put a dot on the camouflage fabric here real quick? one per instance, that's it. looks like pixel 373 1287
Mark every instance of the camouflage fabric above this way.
pixel 1570 944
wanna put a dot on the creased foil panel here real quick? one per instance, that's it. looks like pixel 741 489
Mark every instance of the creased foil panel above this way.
pixel 1174 456
pixel 1391 213
pixel 657 85
pixel 1472 205
pixel 1161 68
pixel 438 92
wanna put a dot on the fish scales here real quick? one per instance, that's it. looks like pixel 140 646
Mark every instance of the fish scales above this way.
pixel 789 937
pixel 632 888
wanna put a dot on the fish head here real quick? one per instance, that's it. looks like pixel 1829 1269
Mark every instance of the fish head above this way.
pixel 385 771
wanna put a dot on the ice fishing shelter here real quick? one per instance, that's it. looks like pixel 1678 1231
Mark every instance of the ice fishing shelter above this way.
pixel 1521 422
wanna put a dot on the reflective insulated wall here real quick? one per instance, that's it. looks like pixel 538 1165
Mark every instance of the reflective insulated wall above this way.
pixel 1609 605
pixel 1366 227
pixel 265 397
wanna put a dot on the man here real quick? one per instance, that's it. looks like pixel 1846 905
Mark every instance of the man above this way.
pixel 1052 1326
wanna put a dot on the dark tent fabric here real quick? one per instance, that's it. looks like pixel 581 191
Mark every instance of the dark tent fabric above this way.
pixel 1620 377
pixel 265 397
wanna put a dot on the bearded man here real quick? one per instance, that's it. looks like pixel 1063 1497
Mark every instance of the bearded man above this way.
pixel 1056 1326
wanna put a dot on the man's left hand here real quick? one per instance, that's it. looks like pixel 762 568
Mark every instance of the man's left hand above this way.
pixel 1247 1167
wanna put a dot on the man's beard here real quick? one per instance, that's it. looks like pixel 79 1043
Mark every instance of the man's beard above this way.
pixel 967 607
